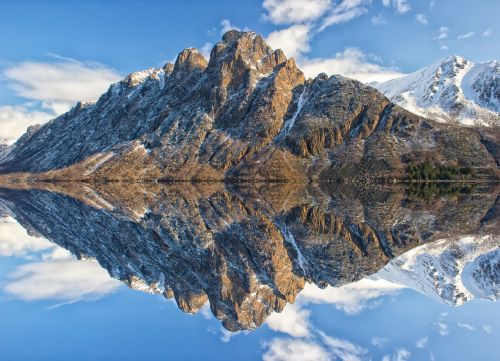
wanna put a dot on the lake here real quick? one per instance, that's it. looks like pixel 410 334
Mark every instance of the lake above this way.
pixel 272 271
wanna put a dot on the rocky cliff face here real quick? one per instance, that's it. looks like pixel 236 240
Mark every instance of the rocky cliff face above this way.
pixel 451 90
pixel 247 251
pixel 246 114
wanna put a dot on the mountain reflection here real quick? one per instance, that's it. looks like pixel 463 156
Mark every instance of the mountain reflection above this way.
pixel 250 250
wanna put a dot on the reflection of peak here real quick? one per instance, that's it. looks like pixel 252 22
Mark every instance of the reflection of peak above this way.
pixel 247 251
pixel 453 271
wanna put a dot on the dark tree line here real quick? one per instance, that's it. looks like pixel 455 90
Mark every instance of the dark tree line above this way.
pixel 425 171
pixel 428 191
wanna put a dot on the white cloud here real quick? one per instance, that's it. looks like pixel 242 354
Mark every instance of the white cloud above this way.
pixel 379 342
pixel 488 329
pixel 15 240
pixel 352 63
pixel 343 349
pixel 442 33
pixel 442 328
pixel 487 33
pixel 421 343
pixel 227 335
pixel 308 11
pixel 466 326
pixel 226 26
pixel 401 6
pixel 400 355
pixel 60 84
pixel 59 276
pixel 345 11
pixel 292 320
pixel 352 298
pixel 206 312
pixel 294 11
pixel 206 49
pixel 15 119
pixel 378 20
pixel 422 19
pixel 466 35
pixel 54 86
pixel 280 349
pixel 66 280
pixel 294 40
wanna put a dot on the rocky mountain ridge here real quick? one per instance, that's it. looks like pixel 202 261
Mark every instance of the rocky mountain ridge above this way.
pixel 246 114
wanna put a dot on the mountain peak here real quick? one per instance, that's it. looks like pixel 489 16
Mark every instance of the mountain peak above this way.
pixel 235 35
pixel 138 77
pixel 457 59
pixel 189 60
pixel 246 47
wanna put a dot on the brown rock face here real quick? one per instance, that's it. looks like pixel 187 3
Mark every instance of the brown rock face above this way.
pixel 189 60
pixel 247 114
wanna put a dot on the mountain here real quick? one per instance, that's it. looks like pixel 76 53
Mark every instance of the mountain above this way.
pixel 452 271
pixel 450 90
pixel 248 251
pixel 246 114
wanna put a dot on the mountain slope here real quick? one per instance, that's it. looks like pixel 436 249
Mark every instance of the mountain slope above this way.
pixel 450 90
pixel 246 114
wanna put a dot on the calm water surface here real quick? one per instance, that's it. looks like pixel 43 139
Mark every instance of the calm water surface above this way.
pixel 272 272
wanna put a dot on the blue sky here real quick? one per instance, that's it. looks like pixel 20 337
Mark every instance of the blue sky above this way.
pixel 54 53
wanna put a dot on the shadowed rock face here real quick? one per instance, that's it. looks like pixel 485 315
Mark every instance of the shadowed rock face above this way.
pixel 248 251
pixel 246 114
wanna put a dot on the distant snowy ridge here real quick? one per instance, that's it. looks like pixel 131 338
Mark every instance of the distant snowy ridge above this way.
pixel 452 271
pixel 450 90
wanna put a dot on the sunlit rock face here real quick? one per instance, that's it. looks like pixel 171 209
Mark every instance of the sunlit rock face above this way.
pixel 246 114
pixel 250 251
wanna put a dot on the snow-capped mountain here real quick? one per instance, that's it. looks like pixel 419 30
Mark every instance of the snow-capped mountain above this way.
pixel 450 270
pixel 450 90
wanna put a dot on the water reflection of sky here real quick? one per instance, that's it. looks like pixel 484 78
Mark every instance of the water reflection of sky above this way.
pixel 54 307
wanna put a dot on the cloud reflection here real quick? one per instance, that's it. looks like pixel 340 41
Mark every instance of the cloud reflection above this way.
pixel 15 240
pixel 67 281
pixel 56 275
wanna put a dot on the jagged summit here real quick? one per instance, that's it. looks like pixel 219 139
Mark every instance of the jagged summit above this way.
pixel 451 90
pixel 189 60
pixel 246 114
